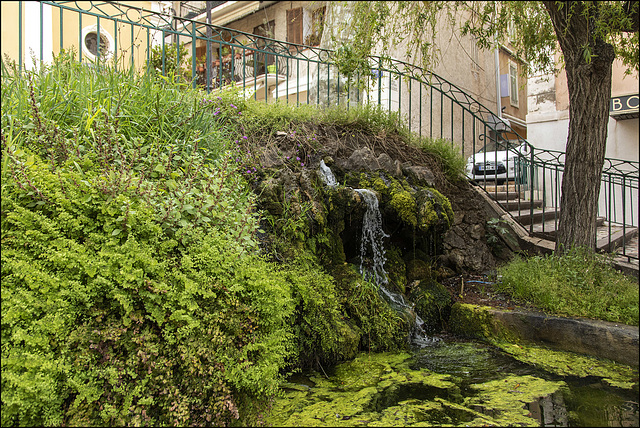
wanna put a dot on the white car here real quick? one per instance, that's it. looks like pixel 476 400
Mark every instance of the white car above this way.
pixel 498 161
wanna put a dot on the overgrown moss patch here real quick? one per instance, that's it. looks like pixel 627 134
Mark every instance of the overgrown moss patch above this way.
pixel 506 399
pixel 564 363
pixel 383 390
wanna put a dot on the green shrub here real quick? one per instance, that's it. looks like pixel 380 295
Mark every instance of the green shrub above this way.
pixel 578 283
pixel 132 289
pixel 176 60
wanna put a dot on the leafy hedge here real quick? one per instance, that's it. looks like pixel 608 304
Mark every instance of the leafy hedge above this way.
pixel 132 289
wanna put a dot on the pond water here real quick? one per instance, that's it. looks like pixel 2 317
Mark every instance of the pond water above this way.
pixel 457 382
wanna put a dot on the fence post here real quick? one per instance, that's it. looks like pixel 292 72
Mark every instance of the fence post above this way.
pixel 531 193
pixel 193 54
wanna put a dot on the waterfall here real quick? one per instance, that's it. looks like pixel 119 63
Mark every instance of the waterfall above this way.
pixel 327 175
pixel 372 244
pixel 372 235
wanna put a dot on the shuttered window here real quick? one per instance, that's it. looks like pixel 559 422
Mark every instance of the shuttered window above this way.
pixel 513 77
pixel 317 25
pixel 294 25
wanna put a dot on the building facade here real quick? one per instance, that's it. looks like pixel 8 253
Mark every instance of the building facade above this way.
pixel 491 78
pixel 34 32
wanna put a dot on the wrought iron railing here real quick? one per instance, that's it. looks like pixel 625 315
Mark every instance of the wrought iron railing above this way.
pixel 270 70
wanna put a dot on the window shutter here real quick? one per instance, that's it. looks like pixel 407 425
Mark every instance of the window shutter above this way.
pixel 513 74
pixel 294 25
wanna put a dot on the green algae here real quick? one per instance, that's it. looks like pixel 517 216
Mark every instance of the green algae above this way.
pixel 383 390
pixel 565 363
pixel 477 322
pixel 506 399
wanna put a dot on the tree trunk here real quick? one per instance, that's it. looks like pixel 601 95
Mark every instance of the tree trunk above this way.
pixel 589 85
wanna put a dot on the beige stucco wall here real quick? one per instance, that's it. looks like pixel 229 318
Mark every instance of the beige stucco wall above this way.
pixel 472 71
pixel 62 29
pixel 621 84
pixel 9 42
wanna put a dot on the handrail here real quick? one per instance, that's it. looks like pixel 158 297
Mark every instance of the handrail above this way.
pixel 470 125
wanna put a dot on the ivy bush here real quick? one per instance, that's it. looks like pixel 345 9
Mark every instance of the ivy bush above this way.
pixel 132 287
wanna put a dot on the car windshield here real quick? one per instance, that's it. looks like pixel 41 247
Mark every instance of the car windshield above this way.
pixel 493 146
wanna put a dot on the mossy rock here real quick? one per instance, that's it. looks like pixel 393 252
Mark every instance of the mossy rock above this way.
pixel 271 193
pixel 422 208
pixel 432 303
pixel 382 328
pixel 396 269
pixel 418 269
pixel 349 336
pixel 477 322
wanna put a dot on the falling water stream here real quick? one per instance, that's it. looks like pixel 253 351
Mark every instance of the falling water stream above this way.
pixel 372 249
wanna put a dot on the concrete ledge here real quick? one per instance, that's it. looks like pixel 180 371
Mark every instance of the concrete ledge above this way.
pixel 617 342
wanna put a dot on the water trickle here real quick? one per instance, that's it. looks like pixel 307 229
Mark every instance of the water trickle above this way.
pixel 327 175
pixel 372 236
pixel 418 336
pixel 372 248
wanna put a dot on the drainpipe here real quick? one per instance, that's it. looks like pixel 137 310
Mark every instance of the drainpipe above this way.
pixel 498 99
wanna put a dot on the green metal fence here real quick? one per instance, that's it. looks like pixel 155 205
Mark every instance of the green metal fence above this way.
pixel 269 70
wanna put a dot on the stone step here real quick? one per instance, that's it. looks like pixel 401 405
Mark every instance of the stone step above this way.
pixel 506 196
pixel 525 217
pixel 548 229
pixel 515 205
pixel 511 188
pixel 616 238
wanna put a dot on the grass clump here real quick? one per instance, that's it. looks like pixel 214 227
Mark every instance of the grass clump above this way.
pixel 578 283
pixel 449 158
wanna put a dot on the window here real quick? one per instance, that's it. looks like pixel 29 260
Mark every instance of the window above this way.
pixel 294 26
pixel 317 26
pixel 90 43
pixel 475 67
pixel 267 29
pixel 513 83
pixel 262 60
pixel 511 32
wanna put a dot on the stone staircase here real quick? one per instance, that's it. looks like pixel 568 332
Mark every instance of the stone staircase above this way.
pixel 537 224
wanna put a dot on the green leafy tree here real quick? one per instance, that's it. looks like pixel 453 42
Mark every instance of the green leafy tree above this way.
pixel 590 35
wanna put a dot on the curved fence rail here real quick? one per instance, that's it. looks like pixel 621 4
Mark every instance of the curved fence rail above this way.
pixel 212 57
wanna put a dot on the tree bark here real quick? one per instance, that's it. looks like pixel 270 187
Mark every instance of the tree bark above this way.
pixel 589 85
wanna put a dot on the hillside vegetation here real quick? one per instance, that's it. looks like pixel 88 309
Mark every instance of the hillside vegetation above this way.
pixel 142 283
pixel 134 289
